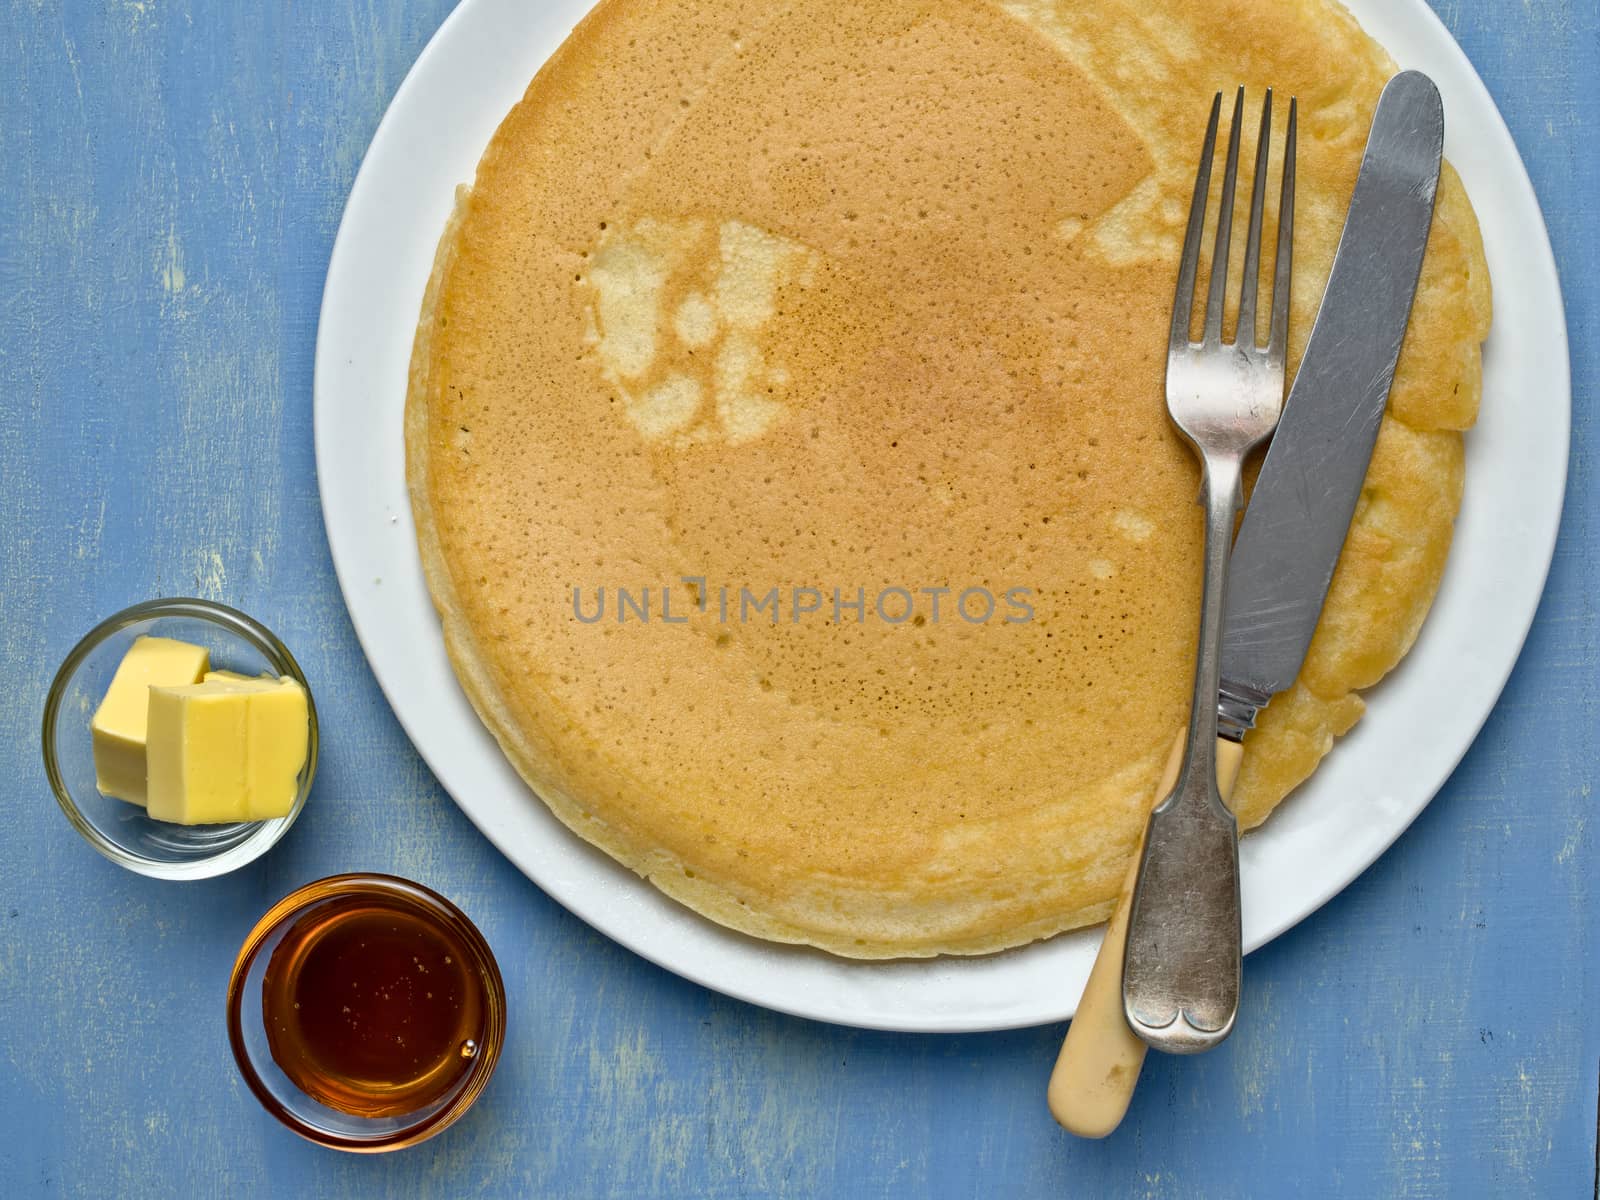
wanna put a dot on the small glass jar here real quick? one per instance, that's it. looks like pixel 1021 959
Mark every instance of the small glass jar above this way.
pixel 123 832
pixel 422 982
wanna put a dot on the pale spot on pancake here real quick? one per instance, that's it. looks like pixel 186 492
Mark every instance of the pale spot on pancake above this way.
pixel 1069 228
pixel 628 278
pixel 753 262
pixel 743 412
pixel 737 361
pixel 1133 525
pixel 1102 568
pixel 640 272
pixel 696 322
pixel 667 407
pixel 745 416
pixel 1142 228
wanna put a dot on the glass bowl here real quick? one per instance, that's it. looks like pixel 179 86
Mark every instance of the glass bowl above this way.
pixel 299 919
pixel 119 830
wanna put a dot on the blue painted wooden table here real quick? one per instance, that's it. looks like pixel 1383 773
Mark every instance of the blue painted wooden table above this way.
pixel 171 178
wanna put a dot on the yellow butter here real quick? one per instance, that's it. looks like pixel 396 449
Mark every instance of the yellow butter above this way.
pixel 119 725
pixel 220 676
pixel 227 749
pixel 278 736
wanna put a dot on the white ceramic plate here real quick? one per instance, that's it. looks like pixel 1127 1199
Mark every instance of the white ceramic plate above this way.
pixel 1421 719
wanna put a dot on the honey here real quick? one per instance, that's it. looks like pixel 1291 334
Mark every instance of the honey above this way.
pixel 372 1006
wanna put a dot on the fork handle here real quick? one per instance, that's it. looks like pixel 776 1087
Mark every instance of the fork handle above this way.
pixel 1099 1063
pixel 1180 975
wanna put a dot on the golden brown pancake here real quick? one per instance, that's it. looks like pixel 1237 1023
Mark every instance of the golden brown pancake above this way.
pixel 866 296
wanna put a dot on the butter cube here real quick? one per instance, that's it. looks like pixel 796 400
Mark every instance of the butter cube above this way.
pixel 236 677
pixel 120 724
pixel 226 750
pixel 277 735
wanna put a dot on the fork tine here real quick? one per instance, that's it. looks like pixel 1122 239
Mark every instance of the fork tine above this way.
pixel 1245 335
pixel 1283 268
pixel 1217 299
pixel 1189 263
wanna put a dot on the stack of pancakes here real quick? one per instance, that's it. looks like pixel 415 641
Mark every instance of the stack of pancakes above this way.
pixel 872 297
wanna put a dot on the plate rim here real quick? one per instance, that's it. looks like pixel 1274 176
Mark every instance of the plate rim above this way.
pixel 1538 257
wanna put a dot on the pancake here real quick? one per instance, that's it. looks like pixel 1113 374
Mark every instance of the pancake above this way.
pixel 784 307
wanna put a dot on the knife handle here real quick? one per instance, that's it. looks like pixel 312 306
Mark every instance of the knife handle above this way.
pixel 1099 1063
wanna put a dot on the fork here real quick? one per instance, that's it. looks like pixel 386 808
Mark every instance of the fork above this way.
pixel 1180 981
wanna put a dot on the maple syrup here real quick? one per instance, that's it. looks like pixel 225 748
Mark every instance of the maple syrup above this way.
pixel 373 1005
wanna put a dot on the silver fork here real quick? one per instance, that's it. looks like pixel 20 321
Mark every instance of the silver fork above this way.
pixel 1180 983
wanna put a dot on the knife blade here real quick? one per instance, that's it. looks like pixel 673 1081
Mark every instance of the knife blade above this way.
pixel 1306 494
pixel 1294 527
